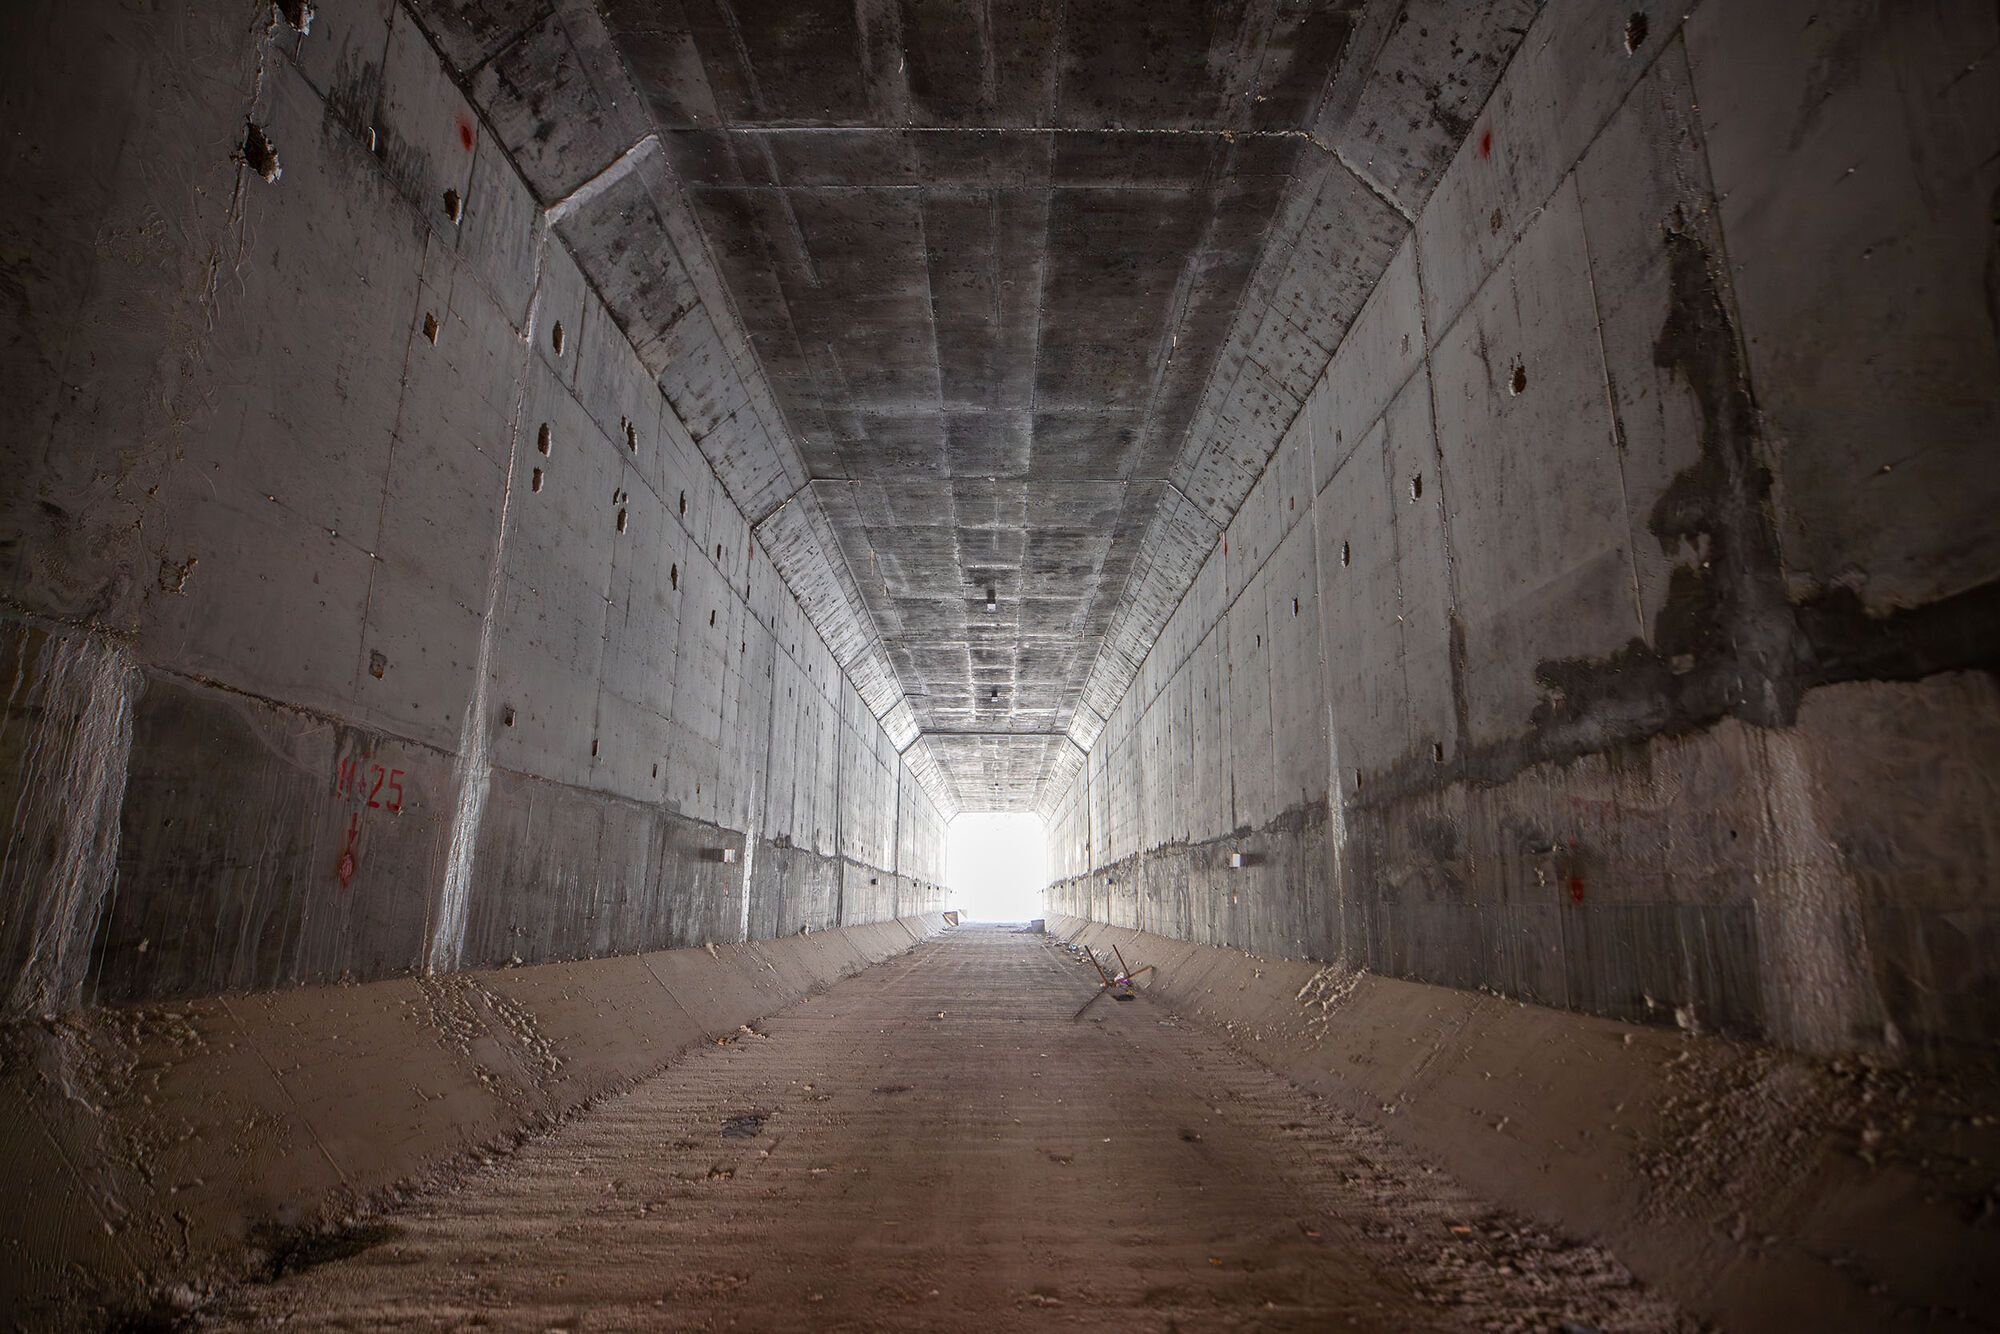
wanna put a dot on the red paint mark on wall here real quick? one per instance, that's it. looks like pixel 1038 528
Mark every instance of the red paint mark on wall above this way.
pixel 381 788
pixel 1485 143
pixel 344 869
pixel 1576 889
pixel 465 133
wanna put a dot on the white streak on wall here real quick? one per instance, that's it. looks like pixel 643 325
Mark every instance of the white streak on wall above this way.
pixel 1817 969
pixel 61 857
pixel 472 771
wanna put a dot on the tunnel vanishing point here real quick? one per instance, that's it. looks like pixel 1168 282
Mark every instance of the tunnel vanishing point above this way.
pixel 1474 525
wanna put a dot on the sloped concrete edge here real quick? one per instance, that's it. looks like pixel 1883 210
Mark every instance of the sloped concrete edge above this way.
pixel 149 1152
pixel 1758 1188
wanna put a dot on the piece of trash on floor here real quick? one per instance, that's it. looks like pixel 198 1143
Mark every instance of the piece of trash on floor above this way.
pixel 1119 985
pixel 747 1126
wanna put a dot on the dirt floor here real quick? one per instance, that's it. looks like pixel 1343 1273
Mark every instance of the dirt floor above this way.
pixel 935 1144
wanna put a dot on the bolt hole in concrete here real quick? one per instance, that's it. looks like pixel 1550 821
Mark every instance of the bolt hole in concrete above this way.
pixel 535 481
pixel 543 439
pixel 259 154
pixel 556 338
pixel 453 205
pixel 684 502
pixel 631 438
pixel 298 15
pixel 997 863
pixel 1417 487
pixel 1635 33
pixel 1346 555
pixel 1519 383
pixel 430 328
pixel 674 575
pixel 621 521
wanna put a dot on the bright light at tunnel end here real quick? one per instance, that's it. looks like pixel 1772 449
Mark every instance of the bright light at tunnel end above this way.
pixel 997 866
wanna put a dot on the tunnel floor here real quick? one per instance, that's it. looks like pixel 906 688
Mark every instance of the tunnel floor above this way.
pixel 935 1144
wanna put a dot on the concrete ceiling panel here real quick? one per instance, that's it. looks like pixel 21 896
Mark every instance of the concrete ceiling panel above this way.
pixel 1017 298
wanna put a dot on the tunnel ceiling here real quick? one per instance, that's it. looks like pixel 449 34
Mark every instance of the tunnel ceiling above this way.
pixel 987 257
pixel 1014 296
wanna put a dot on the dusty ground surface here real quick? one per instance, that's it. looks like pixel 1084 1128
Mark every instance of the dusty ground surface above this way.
pixel 934 1144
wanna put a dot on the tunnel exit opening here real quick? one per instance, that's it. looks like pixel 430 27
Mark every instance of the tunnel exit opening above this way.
pixel 997 865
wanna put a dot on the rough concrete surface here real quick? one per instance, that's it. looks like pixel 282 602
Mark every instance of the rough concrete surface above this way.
pixel 935 1144
pixel 1492 500
pixel 1550 646
pixel 1759 1188
pixel 155 1152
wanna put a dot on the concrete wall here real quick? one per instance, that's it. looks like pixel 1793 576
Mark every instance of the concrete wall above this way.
pixel 367 608
pixel 1613 627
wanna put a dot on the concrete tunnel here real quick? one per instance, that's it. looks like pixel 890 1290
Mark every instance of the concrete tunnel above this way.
pixel 1470 526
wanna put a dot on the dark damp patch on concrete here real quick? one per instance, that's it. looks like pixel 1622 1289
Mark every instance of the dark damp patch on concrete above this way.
pixel 353 93
pixel 746 1126
pixel 1728 641
pixel 1461 705
pixel 1437 837
pixel 295 1250
pixel 1850 643
pixel 1293 820
pixel 1993 263
pixel 1725 641
pixel 162 1317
